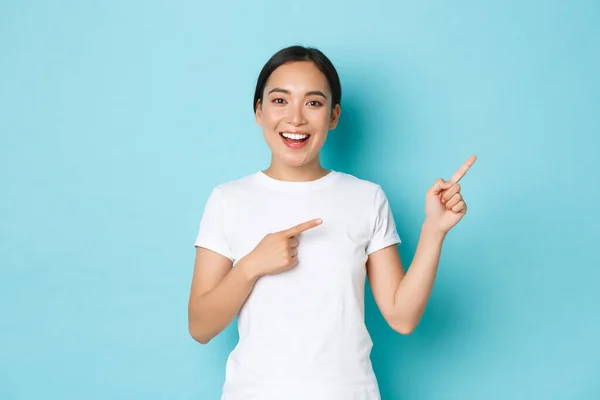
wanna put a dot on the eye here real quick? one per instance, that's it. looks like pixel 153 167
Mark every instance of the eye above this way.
pixel 278 101
pixel 315 103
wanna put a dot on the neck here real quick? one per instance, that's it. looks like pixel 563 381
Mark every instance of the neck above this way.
pixel 303 173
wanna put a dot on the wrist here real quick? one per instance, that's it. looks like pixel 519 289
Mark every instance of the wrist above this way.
pixel 431 230
pixel 249 268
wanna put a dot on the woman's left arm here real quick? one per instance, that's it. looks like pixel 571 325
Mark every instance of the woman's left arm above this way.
pixel 402 297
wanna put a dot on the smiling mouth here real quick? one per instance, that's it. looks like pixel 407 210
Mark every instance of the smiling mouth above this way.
pixel 294 140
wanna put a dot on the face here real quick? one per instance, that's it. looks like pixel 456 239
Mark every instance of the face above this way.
pixel 296 113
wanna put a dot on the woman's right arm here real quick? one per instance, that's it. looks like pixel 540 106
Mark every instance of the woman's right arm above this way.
pixel 217 294
pixel 219 291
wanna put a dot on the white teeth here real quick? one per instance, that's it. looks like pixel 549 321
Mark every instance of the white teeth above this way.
pixel 294 136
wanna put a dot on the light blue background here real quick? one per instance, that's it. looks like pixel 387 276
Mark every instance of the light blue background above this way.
pixel 118 118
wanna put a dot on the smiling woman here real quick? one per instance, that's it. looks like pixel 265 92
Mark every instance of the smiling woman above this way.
pixel 288 249
pixel 297 101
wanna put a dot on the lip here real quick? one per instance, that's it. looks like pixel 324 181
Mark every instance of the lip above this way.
pixel 294 146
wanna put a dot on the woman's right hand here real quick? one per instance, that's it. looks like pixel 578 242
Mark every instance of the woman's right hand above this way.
pixel 278 252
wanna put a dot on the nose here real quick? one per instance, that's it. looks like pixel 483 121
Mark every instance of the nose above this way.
pixel 296 115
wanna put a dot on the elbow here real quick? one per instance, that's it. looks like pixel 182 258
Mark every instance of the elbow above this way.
pixel 405 330
pixel 200 339
pixel 198 335
pixel 196 327
pixel 403 327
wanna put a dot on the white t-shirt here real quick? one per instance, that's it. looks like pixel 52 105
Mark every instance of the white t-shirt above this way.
pixel 301 332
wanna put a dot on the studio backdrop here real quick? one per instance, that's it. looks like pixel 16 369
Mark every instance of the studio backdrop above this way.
pixel 117 118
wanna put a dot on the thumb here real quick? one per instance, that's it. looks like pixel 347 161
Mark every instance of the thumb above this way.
pixel 439 186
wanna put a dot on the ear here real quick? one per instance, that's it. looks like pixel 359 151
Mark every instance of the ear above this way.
pixel 258 112
pixel 335 116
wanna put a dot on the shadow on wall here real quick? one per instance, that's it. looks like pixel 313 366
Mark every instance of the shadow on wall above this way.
pixel 340 151
pixel 351 148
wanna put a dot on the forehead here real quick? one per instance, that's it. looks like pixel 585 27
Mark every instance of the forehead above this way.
pixel 300 75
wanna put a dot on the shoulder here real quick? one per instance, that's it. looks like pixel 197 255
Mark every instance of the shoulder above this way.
pixel 363 191
pixel 358 185
pixel 235 187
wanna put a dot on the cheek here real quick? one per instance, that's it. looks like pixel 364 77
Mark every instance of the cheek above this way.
pixel 272 115
pixel 320 119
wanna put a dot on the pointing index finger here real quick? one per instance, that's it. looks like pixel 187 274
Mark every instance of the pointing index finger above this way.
pixel 458 175
pixel 298 229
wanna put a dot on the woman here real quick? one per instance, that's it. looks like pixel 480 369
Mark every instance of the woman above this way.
pixel 288 249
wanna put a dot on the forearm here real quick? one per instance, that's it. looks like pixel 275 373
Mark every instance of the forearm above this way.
pixel 415 288
pixel 211 312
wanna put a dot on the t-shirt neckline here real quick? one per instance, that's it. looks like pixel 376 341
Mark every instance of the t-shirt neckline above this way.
pixel 302 186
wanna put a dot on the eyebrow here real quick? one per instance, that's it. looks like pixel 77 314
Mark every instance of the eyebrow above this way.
pixel 311 93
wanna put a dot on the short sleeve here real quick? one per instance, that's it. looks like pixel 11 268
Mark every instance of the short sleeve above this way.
pixel 211 233
pixel 384 230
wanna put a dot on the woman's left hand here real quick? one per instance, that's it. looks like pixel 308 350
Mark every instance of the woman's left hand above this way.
pixel 444 204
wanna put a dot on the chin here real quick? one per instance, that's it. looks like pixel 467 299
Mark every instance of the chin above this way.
pixel 295 160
